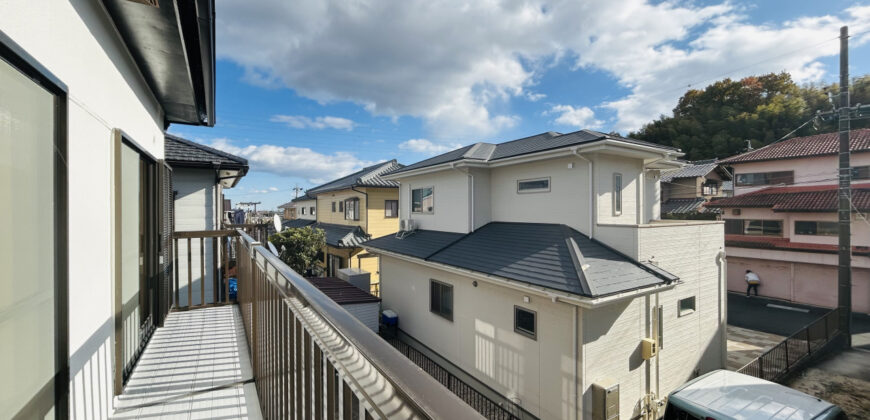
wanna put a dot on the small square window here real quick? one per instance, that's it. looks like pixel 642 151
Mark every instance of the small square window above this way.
pixel 391 208
pixel 525 322
pixel 687 306
pixel 441 299
pixel 423 200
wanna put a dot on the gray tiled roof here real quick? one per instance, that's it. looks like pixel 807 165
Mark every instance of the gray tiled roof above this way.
pixel 181 152
pixel 304 197
pixel 342 236
pixel 419 244
pixel 342 292
pixel 365 177
pixel 683 205
pixel 693 170
pixel 297 223
pixel 547 255
pixel 487 152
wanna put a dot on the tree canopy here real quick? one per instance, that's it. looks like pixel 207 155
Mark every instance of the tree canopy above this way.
pixel 717 121
pixel 300 247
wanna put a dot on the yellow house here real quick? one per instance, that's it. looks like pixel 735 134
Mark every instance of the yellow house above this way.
pixel 354 209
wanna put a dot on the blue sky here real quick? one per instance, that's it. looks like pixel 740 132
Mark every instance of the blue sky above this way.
pixel 312 92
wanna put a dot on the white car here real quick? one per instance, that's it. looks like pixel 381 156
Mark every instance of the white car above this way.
pixel 724 395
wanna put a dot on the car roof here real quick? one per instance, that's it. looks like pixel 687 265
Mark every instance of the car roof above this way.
pixel 732 395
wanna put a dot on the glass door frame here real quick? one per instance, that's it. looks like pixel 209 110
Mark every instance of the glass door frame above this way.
pixel 56 394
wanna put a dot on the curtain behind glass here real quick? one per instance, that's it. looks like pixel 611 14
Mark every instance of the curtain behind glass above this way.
pixel 27 330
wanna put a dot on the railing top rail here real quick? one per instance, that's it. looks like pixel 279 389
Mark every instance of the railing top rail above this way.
pixel 421 390
pixel 204 233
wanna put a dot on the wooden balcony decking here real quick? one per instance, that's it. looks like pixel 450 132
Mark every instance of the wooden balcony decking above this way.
pixel 195 367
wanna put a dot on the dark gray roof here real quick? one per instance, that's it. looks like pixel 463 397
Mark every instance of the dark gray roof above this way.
pixel 304 197
pixel 365 177
pixel 547 255
pixel 683 205
pixel 341 236
pixel 693 170
pixel 297 223
pixel 420 243
pixel 183 152
pixel 487 152
pixel 342 292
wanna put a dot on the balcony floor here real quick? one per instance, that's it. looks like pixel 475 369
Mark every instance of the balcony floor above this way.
pixel 196 367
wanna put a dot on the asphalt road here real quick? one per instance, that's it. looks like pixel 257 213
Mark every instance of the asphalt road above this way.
pixel 785 318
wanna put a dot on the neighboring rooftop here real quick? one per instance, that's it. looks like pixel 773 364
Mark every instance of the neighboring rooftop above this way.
pixel 342 236
pixel 696 169
pixel 801 147
pixel 183 153
pixel 487 152
pixel 547 255
pixel 366 177
pixel 296 223
pixel 814 198
pixel 342 292
pixel 785 244
pixel 683 205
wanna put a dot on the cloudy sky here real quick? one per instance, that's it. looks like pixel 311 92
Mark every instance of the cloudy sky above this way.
pixel 311 91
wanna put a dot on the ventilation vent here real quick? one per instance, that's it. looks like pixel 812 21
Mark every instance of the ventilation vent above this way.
pixel 153 3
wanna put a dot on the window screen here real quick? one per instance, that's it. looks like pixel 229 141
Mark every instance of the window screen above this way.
pixel 525 322
pixel 816 228
pixel 765 178
pixel 687 305
pixel 861 172
pixel 391 208
pixel 351 209
pixel 617 194
pixel 533 185
pixel 733 226
pixel 423 200
pixel 763 227
pixel 441 299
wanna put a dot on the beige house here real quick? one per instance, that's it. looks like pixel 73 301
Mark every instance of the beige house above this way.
pixel 685 190
pixel 353 209
pixel 540 267
pixel 782 221
pixel 304 207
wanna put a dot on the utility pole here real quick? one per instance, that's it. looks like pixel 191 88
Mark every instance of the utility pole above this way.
pixel 844 274
pixel 296 189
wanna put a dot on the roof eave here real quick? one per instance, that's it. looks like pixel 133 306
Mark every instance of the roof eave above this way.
pixel 588 302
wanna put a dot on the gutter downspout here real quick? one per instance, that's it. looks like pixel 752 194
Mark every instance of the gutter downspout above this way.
pixel 576 362
pixel 721 261
pixel 470 194
pixel 594 199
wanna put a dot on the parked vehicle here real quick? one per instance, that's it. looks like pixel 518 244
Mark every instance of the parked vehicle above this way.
pixel 724 395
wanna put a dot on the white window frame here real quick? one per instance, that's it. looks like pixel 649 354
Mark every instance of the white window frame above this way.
pixel 533 190
pixel 617 194
pixel 421 200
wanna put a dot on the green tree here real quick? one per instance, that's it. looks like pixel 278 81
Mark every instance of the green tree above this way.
pixel 299 248
pixel 717 121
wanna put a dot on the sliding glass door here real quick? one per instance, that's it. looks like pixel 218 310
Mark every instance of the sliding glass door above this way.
pixel 33 330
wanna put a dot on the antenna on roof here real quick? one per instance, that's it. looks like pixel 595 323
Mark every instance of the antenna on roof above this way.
pixel 749 145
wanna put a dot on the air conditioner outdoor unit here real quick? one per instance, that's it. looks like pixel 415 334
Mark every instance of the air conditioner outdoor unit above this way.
pixel 407 225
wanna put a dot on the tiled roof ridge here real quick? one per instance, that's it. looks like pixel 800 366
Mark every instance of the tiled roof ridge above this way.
pixel 787 189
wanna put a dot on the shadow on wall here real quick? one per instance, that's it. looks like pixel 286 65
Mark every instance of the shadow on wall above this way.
pixel 91 376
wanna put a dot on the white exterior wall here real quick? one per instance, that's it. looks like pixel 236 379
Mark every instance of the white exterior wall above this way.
pixel 308 204
pixel 451 201
pixel 481 339
pixel 567 202
pixel 367 313
pixel 605 166
pixel 77 43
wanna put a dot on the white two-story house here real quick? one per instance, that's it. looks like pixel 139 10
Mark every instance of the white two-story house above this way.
pixel 782 221
pixel 540 267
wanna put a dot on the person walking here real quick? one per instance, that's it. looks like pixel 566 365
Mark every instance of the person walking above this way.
pixel 752 282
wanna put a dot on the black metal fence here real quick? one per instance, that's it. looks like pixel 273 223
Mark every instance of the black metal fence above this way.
pixel 782 358
pixel 490 409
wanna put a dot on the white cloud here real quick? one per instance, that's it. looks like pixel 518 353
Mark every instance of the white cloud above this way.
pixel 534 96
pixel 457 64
pixel 426 147
pixel 318 123
pixel 273 189
pixel 581 117
pixel 299 162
